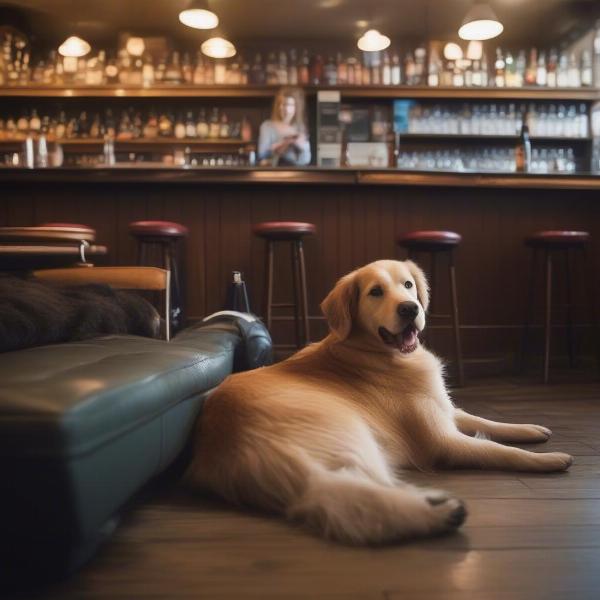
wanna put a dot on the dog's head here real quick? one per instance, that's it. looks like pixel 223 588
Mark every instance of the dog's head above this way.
pixel 386 300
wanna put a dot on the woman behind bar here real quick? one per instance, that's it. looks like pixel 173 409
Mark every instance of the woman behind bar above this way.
pixel 283 139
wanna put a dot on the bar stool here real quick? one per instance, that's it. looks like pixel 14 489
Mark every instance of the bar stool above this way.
pixel 436 243
pixel 293 232
pixel 165 236
pixel 556 244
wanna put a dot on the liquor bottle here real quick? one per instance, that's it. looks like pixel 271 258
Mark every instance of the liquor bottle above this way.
pixel 510 70
pixel 304 69
pixel 180 128
pixel 23 123
pixel 562 71
pixel 316 70
pixel 244 71
pixel 484 70
pixel 271 69
pixel 150 130
pixel 396 70
pixel 111 71
pixel 220 72
pixel 95 127
pixel 409 69
pixel 234 72
pixel 499 67
pixel 351 70
pixel 342 70
pixel 573 73
pixel 35 124
pixel 187 73
pixel 224 129
pixel 541 74
pixel 520 69
pixel 330 72
pixel 582 121
pixel 366 71
pixel 551 79
pixel 147 71
pixel 523 150
pixel 190 125
pixel 37 75
pixel 292 75
pixel 420 56
pixel 199 70
pixel 202 125
pixel 257 73
pixel 531 70
pixel 173 71
pixel 61 125
pixel 376 68
pixel 137 72
pixel 386 75
pixel 213 126
pixel 433 75
pixel 458 78
pixel 165 125
pixel 586 68
pixel 246 130
pixel 282 70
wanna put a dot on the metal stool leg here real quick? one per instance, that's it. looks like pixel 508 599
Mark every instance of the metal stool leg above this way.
pixel 528 313
pixel 303 292
pixel 570 348
pixel 296 291
pixel 547 319
pixel 455 323
pixel 269 284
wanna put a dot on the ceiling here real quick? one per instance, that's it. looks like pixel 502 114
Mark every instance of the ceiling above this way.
pixel 527 22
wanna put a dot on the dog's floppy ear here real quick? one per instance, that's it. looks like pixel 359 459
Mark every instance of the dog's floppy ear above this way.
pixel 340 306
pixel 421 281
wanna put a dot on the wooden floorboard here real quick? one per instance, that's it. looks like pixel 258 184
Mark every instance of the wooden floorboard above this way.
pixel 527 536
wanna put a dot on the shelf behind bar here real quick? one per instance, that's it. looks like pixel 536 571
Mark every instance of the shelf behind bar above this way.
pixel 259 91
pixel 486 136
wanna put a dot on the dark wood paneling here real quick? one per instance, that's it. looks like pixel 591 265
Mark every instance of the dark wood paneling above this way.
pixel 356 224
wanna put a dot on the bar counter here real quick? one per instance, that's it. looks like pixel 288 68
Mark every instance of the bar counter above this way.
pixel 358 215
pixel 143 172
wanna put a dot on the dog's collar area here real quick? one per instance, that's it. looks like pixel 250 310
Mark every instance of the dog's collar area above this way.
pixel 405 341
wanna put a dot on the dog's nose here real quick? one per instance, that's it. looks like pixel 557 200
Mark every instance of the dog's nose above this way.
pixel 408 310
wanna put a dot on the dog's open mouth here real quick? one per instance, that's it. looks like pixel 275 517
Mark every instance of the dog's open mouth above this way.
pixel 406 341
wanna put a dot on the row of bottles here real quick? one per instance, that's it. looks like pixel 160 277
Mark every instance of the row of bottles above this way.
pixel 498 118
pixel 292 67
pixel 543 160
pixel 128 124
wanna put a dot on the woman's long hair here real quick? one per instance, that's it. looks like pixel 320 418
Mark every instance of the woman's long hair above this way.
pixel 298 95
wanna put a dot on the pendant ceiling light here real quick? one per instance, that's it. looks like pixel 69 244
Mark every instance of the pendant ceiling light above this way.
pixel 481 23
pixel 135 46
pixel 373 41
pixel 199 17
pixel 74 47
pixel 218 47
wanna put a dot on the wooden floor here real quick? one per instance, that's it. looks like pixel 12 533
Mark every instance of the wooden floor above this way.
pixel 526 536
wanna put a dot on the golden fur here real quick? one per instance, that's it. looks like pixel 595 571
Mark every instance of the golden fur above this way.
pixel 322 436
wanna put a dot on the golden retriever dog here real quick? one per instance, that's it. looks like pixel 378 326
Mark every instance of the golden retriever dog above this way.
pixel 322 437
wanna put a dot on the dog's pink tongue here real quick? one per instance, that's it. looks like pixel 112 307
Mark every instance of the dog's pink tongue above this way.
pixel 409 338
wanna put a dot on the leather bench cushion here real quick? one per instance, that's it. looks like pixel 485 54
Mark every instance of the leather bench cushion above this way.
pixel 65 400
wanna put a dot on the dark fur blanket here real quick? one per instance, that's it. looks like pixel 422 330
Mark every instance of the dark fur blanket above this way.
pixel 33 313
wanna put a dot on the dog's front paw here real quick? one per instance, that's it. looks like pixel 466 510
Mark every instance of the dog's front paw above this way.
pixel 554 461
pixel 538 433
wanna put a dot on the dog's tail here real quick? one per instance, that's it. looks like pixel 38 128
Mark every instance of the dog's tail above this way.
pixel 350 502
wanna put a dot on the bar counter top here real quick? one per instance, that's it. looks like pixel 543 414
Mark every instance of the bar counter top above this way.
pixel 138 173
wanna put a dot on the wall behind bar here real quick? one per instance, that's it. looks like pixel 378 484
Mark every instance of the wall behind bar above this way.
pixel 356 224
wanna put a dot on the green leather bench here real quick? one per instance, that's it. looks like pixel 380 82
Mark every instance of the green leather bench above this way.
pixel 85 425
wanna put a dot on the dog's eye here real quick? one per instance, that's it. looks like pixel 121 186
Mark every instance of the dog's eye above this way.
pixel 408 284
pixel 376 291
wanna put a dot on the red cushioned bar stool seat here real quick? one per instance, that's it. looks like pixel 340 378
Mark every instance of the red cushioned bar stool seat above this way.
pixel 292 232
pixel 557 238
pixel 283 230
pixel 438 244
pixel 558 249
pixel 163 236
